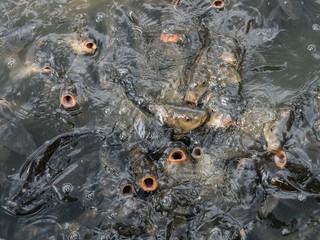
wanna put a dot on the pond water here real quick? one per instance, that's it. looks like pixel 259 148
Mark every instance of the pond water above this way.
pixel 146 119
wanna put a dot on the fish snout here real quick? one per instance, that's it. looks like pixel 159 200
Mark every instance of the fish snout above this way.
pixel 191 97
pixel 69 100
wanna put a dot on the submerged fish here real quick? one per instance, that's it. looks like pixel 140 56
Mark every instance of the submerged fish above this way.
pixel 12 43
pixel 47 171
pixel 15 41
pixel 214 66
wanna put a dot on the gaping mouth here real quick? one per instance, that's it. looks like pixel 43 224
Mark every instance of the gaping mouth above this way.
pixel 170 37
pixel 280 158
pixel 149 184
pixel 47 69
pixel 69 101
pixel 90 47
pixel 197 153
pixel 219 4
pixel 177 155
pixel 127 190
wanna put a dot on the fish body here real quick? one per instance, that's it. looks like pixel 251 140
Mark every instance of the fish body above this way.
pixel 43 174
pixel 214 66
pixel 182 119
pixel 276 131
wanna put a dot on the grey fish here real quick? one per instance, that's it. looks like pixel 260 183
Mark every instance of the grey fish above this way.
pixel 34 186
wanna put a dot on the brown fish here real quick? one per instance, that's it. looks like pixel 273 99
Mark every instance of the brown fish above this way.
pixel 275 133
pixel 212 67
pixel 182 119
pixel 85 42
pixel 145 173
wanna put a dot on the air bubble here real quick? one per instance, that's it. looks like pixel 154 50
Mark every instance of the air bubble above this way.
pixel 74 236
pixel 11 62
pixel 107 111
pixel 316 27
pixel 302 197
pixel 285 231
pixel 312 48
pixel 89 196
pixel 99 17
pixel 67 188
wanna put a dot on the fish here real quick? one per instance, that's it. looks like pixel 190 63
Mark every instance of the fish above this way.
pixel 178 164
pixel 12 43
pixel 145 172
pixel 183 119
pixel 213 66
pixel 49 171
pixel 85 41
pixel 16 40
pixel 41 53
pixel 208 168
pixel 246 180
pixel 275 133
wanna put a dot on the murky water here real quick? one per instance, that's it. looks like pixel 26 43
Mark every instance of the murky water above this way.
pixel 159 119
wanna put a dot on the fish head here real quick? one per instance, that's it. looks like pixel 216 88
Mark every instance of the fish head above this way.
pixel 87 41
pixel 196 89
pixel 186 119
pixel 44 58
pixel 275 131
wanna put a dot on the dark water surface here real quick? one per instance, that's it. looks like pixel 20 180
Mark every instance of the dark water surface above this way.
pixel 180 136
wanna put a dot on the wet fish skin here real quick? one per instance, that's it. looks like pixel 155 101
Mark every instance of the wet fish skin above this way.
pixel 246 179
pixel 208 71
pixel 178 170
pixel 16 40
pixel 12 43
pixel 42 54
pixel 275 131
pixel 85 42
pixel 182 119
pixel 143 166
pixel 33 188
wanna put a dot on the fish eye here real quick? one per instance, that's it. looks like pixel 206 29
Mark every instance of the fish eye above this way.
pixel 204 82
pixel 188 119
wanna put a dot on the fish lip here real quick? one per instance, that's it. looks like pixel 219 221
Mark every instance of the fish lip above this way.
pixel 280 159
pixel 218 4
pixel 191 98
pixel 149 183
pixel 197 153
pixel 170 38
pixel 127 190
pixel 90 47
pixel 47 69
pixel 177 156
pixel 69 101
